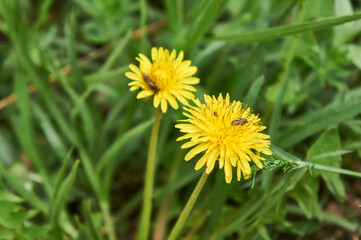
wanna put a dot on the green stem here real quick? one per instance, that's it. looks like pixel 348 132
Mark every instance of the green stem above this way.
pixel 143 230
pixel 104 207
pixel 188 208
pixel 330 169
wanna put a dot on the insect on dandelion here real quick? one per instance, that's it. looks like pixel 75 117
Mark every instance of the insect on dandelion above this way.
pixel 167 77
pixel 227 132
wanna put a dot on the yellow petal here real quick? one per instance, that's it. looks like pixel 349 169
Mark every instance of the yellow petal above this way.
pixel 201 162
pixel 163 105
pixel 191 80
pixel 246 169
pixel 189 144
pixel 134 82
pixel 196 150
pixel 145 64
pixel 189 71
pixel 186 136
pixel 189 88
pixel 172 56
pixel 211 160
pixel 154 53
pixel 257 162
pixel 180 56
pixel 144 93
pixel 135 69
pixel 133 76
pixel 239 171
pixel 228 171
pixel 133 88
pixel 171 100
pixel 156 101
pixel 181 98
pixel 186 94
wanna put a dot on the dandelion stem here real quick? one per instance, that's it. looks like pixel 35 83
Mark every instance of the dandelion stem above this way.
pixel 188 208
pixel 143 229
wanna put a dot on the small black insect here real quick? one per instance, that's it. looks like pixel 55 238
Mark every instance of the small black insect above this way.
pixel 240 121
pixel 151 84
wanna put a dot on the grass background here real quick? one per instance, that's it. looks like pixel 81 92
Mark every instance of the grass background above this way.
pixel 73 145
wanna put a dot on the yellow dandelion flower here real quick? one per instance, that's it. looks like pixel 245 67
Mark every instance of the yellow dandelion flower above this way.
pixel 225 131
pixel 167 77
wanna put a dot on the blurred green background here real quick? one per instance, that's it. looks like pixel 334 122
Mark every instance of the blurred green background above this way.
pixel 73 145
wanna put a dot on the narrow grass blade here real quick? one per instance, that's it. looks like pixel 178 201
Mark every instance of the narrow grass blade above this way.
pixel 72 56
pixel 50 132
pixel 119 48
pixel 25 130
pixel 90 224
pixel 318 120
pixel 61 194
pixel 282 31
pixel 328 155
pixel 116 147
pixel 203 21
pixel 18 186
pixel 254 91
pixel 174 14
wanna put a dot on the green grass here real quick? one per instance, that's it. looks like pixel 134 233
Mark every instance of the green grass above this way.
pixel 73 153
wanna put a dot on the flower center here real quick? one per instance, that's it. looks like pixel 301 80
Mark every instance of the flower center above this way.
pixel 161 77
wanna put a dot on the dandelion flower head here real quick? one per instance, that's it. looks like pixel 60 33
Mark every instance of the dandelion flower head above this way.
pixel 224 131
pixel 168 77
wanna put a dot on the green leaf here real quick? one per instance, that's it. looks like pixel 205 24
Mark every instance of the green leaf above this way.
pixel 18 185
pixel 9 197
pixel 317 120
pixel 282 31
pixel 347 31
pixel 354 54
pixel 119 48
pixel 25 129
pixel 50 132
pixel 59 199
pixel 116 147
pixel 93 221
pixel 12 216
pixel 203 20
pixel 174 14
pixel 253 92
pixel 328 141
pixel 306 195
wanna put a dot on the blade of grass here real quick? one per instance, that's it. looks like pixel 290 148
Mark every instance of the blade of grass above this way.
pixel 253 92
pixel 143 21
pixel 328 154
pixel 18 186
pixel 284 79
pixel 86 209
pixel 100 77
pixel 119 48
pixel 115 148
pixel 282 31
pixel 318 120
pixel 51 134
pixel 203 21
pixel 26 133
pixel 174 10
pixel 61 173
pixel 72 56
pixel 61 193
